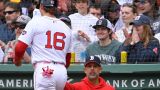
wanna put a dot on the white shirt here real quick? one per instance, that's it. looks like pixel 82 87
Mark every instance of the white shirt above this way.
pixel 49 38
pixel 119 24
pixel 36 12
pixel 83 23
pixel 121 2
pixel 120 34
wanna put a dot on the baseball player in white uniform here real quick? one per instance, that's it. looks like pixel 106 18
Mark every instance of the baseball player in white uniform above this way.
pixel 50 40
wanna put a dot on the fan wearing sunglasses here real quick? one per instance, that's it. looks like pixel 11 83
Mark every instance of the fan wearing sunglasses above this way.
pixel 19 25
pixel 11 12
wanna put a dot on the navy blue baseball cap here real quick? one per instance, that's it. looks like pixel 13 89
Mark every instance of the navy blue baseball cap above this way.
pixel 101 22
pixel 92 59
pixel 49 3
pixel 141 20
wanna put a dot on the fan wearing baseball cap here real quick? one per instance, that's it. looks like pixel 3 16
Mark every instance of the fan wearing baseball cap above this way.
pixel 92 80
pixel 141 20
pixel 141 46
pixel 105 48
pixel 19 25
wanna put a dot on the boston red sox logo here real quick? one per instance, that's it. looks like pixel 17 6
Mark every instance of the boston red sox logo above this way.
pixel 99 22
pixel 92 58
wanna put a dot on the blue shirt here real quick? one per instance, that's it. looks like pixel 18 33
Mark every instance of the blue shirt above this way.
pixel 6 34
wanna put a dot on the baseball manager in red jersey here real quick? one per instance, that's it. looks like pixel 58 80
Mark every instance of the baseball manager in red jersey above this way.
pixel 92 81
pixel 50 40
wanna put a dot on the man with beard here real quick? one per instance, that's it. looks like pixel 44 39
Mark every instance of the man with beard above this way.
pixel 92 81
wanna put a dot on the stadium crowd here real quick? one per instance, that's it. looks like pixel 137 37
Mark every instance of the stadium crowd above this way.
pixel 103 28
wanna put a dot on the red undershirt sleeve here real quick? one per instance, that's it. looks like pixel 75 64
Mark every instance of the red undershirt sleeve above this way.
pixel 19 52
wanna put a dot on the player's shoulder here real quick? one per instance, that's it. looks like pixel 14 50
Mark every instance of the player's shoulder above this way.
pixel 35 19
pixel 62 24
pixel 58 21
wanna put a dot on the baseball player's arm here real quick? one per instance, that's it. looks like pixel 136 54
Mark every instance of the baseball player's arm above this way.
pixel 68 58
pixel 19 52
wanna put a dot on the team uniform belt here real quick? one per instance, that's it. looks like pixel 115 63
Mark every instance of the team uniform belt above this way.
pixel 61 63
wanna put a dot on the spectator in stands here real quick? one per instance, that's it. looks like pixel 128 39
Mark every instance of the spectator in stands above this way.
pixel 82 31
pixel 36 11
pixel 112 13
pixel 103 3
pixel 92 80
pixel 11 12
pixel 63 5
pixel 105 48
pixel 128 13
pixel 150 9
pixel 95 10
pixel 19 25
pixel 141 47
pixel 27 7
pixel 2 5
pixel 146 7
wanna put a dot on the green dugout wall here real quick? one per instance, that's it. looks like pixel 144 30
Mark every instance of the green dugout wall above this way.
pixel 122 76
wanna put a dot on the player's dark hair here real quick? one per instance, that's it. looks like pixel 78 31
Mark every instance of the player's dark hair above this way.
pixel 50 10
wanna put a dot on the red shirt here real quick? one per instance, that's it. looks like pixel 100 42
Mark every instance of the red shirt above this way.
pixel 85 84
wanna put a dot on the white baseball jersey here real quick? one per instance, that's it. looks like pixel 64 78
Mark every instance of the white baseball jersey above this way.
pixel 49 39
